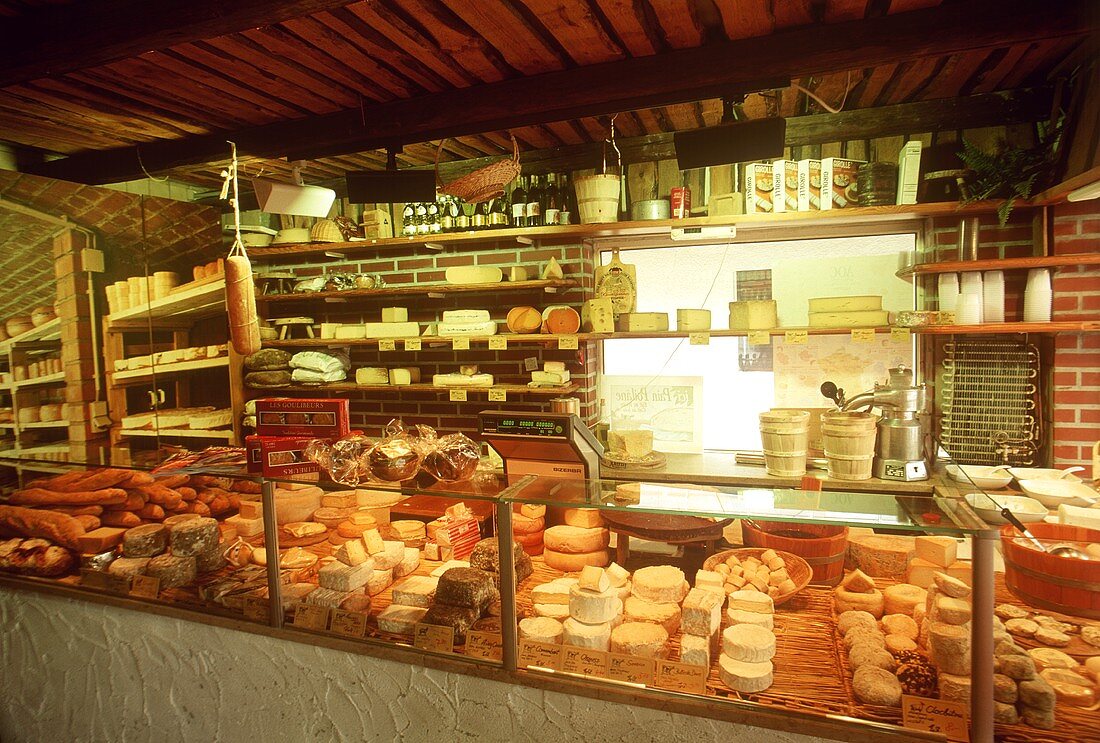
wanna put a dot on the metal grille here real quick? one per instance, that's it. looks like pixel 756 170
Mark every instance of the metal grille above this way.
pixel 990 402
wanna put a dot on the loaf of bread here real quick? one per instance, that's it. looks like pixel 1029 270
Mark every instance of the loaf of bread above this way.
pixel 240 300
pixel 40 497
pixel 59 528
pixel 34 557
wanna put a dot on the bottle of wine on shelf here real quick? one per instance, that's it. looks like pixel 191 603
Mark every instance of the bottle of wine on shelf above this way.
pixel 564 190
pixel 435 218
pixel 408 220
pixel 465 218
pixel 498 213
pixel 534 203
pixel 450 214
pixel 551 210
pixel 423 227
pixel 519 203
pixel 480 219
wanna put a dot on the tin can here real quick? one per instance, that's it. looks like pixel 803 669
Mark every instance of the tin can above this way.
pixel 680 198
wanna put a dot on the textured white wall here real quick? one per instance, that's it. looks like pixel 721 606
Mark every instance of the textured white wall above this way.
pixel 76 671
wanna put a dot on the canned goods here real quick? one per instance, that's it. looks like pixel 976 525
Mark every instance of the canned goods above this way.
pixel 680 199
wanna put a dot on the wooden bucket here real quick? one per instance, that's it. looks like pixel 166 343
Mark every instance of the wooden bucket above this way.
pixel 822 546
pixel 1062 584
pixel 848 440
pixel 598 198
pixel 784 434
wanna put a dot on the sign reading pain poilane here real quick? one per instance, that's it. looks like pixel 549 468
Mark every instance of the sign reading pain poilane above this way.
pixel 671 407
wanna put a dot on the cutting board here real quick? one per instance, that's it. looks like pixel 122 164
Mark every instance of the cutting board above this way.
pixel 619 282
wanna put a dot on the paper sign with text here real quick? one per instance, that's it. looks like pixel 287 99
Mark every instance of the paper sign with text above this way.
pixel 541 654
pixel 937 716
pixel 387 344
pixel 412 344
pixel 681 677
pixel 486 645
pixel 631 669
pixel 311 616
pixel 434 637
pixel 348 623
pixel 584 661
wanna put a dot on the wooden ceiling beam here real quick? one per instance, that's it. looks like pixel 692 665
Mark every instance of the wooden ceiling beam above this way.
pixel 673 77
pixel 57 39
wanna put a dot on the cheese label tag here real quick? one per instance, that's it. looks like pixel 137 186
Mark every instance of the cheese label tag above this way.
pixel 795 337
pixel 584 661
pixel 145 586
pixel 531 363
pixel 900 334
pixel 387 344
pixel 567 343
pixel 699 339
pixel 498 343
pixel 631 669
pixel 681 677
pixel 496 395
pixel 255 609
pixel 485 645
pixel 937 716
pixel 760 338
pixel 349 623
pixel 541 654
pixel 458 395
pixel 863 335
pixel 311 616
pixel 434 637
pixel 119 584
pixel 412 344
pixel 460 344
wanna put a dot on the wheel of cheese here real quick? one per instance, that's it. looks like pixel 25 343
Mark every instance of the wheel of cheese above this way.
pixel 593 607
pixel 641 639
pixel 528 540
pixel 560 319
pixel 523 525
pixel 665 613
pixel 586 518
pixel 524 320
pixel 533 549
pixel 569 562
pixel 903 598
pixel 748 643
pixel 660 584
pixel 296 505
pixel 745 677
pixel 581 635
pixel 846 600
pixel 540 629
pixel 577 540
pixel 739 616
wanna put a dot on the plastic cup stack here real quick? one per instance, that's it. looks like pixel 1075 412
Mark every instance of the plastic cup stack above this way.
pixel 971 309
pixel 948 291
pixel 993 296
pixel 1037 296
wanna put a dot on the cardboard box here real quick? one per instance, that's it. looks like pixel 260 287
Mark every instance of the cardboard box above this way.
pixel 758 188
pixel 376 224
pixel 278 456
pixel 809 185
pixel 838 182
pixel 316 418
pixel 785 185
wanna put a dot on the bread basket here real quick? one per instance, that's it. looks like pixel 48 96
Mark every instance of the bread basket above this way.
pixel 325 231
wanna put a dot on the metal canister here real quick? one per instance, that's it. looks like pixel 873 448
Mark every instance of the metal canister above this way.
pixel 877 184
pixel 567 405
pixel 680 197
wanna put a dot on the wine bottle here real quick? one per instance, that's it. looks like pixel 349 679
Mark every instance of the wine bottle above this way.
pixel 498 214
pixel 519 203
pixel 534 203
pixel 481 216
pixel 408 220
pixel 422 225
pixel 435 223
pixel 551 213
pixel 464 219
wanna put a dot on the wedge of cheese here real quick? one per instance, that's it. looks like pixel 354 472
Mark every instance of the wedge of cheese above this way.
pixel 473 275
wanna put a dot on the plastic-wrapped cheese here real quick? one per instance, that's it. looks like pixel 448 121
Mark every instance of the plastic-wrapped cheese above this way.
pixel 581 635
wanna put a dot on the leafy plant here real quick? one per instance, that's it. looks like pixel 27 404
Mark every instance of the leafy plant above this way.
pixel 1011 173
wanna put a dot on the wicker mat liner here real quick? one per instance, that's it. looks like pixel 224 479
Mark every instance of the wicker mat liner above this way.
pixel 1074 724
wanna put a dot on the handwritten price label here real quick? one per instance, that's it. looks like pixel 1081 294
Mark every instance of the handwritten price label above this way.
pixel 863 335
pixel 387 344
pixel 349 623
pixel 541 654
pixel 937 716
pixel 681 677
pixel 460 344
pixel 699 339
pixel 458 395
pixel 900 334
pixel 145 586
pixel 631 669
pixel 119 584
pixel 496 395
pixel 255 609
pixel 412 344
pixel 311 616
pixel 434 637
pixel 486 645
pixel 796 337
pixel 567 343
pixel 760 338
pixel 584 661
pixel 498 343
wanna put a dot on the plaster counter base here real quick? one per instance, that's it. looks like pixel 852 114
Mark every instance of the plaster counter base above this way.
pixel 80 671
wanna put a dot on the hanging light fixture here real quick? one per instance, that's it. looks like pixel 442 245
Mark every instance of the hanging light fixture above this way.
pixel 279 197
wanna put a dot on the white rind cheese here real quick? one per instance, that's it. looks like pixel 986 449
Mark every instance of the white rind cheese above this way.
pixel 581 635
pixel 660 584
pixel 541 629
pixel 372 375
pixel 409 562
pixel 738 616
pixel 748 643
pixel 395 314
pixel 552 611
pixel 568 562
pixel 400 620
pixel 404 375
pixel 387 330
pixel 415 590
pixel 473 275
pixel 379 581
pixel 593 608
pixel 551 593
pixel 744 677
pixel 667 613
pixel 340 577
pixel 618 575
pixel 465 316
pixel 752 601
pixel 702 612
pixel 695 650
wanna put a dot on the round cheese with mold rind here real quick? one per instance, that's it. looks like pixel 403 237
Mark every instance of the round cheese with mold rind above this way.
pixel 581 635
pixel 541 629
pixel 660 584
pixel 576 540
pixel 748 643
pixel 745 677
pixel 593 607
pixel 641 639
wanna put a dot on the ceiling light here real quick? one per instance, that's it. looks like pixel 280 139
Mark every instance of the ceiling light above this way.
pixel 279 197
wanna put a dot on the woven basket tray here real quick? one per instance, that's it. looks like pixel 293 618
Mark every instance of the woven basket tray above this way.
pixel 798 569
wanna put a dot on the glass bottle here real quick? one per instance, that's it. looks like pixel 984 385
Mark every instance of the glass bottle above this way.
pixel 551 212
pixel 422 226
pixel 534 203
pixel 408 220
pixel 481 216
pixel 519 203
pixel 498 214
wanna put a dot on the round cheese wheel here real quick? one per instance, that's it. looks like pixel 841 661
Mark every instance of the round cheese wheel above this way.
pixel 586 518
pixel 568 562
pixel 641 639
pixel 739 616
pixel 524 525
pixel 660 583
pixel 748 643
pixel 540 629
pixel 745 677
pixel 524 320
pixel 903 598
pixel 667 614
pixel 872 603
pixel 576 540
pixel 351 530
pixel 560 319
pixel 531 539
pixel 581 635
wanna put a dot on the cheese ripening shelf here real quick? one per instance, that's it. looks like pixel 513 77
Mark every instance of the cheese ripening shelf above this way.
pixel 516 389
pixel 421 290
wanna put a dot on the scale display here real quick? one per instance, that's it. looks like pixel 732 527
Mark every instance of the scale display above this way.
pixel 529 426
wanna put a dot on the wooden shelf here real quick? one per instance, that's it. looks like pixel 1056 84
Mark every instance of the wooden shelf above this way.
pixel 44 424
pixel 132 376
pixel 423 290
pixel 49 331
pixel 1004 264
pixel 187 433
pixel 1077 326
pixel 581 232
pixel 720 333
pixel 511 389
pixel 47 379
pixel 193 303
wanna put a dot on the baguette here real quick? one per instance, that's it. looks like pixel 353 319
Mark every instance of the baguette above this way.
pixel 126 519
pixel 219 505
pixel 246 486
pixel 92 480
pixel 200 508
pixel 187 493
pixel 137 480
pixel 240 300
pixel 173 481
pixel 40 497
pixel 59 528
pixel 135 499
pixel 52 483
pixel 79 510
pixel 89 522
pixel 151 512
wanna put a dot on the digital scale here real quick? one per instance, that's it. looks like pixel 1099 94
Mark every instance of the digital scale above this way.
pixel 550 445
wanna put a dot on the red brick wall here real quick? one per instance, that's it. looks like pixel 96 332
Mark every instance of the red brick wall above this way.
pixel 1077 355
pixel 371 410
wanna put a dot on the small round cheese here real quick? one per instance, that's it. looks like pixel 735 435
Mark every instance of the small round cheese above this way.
pixel 641 639
pixel 665 613
pixel 540 629
pixel 1051 658
pixel 850 619
pixel 576 540
pixel 749 643
pixel 593 607
pixel 900 643
pixel 846 600
pixel 738 616
pixel 900 624
pixel 745 677
pixel 660 584
pixel 572 562
pixel 552 611
pixel 876 686
pixel 753 601
pixel 864 655
pixel 903 598
pixel 1021 627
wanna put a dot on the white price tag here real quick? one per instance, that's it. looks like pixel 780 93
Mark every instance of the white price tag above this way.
pixel 458 395
pixel 460 344
pixel 498 343
pixel 699 339
pixel 496 395
pixel 387 344
pixel 412 344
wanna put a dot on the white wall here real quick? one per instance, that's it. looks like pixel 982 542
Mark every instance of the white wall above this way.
pixel 76 671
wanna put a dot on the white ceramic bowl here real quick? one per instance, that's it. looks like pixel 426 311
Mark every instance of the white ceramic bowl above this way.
pixel 1041 473
pixel 1054 493
pixel 979 476
pixel 1027 510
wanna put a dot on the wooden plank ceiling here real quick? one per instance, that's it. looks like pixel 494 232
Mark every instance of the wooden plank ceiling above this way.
pixel 372 52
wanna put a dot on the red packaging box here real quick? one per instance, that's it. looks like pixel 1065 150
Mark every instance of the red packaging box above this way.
pixel 319 419
pixel 278 456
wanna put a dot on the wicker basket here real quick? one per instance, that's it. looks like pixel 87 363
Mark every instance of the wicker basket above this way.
pixel 824 548
pixel 483 184
pixel 797 568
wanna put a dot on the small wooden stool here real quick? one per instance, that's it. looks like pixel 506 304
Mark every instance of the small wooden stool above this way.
pixel 285 325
